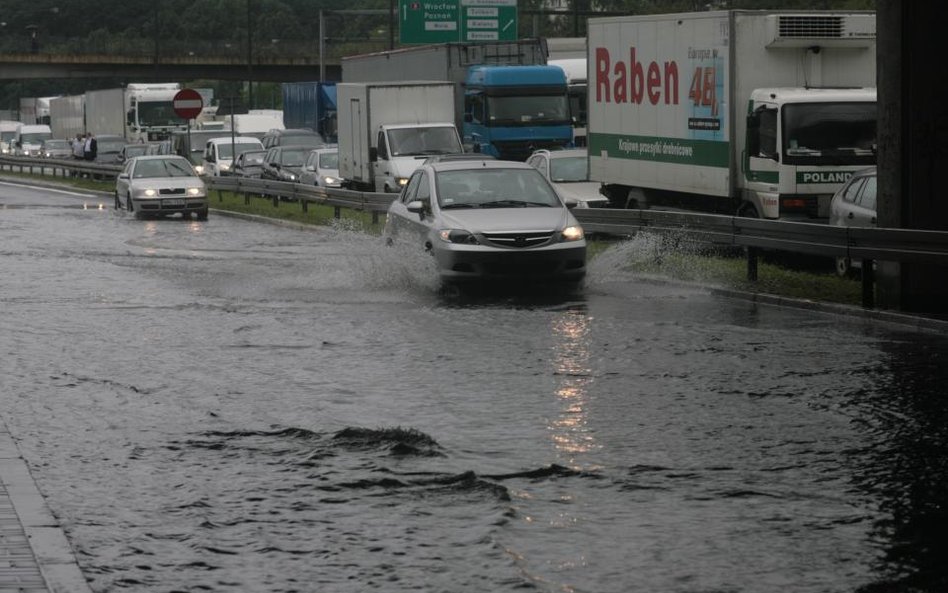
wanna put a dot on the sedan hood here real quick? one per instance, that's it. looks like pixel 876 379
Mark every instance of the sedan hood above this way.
pixel 167 182
pixel 508 219
pixel 583 191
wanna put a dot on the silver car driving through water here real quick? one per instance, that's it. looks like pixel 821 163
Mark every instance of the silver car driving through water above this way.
pixel 489 221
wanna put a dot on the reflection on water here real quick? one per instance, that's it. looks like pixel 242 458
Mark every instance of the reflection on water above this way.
pixel 571 351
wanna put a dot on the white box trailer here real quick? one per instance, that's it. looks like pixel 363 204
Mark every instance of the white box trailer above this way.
pixel 67 116
pixel 759 113
pixel 105 112
pixel 386 130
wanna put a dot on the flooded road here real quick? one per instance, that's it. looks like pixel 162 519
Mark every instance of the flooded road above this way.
pixel 231 406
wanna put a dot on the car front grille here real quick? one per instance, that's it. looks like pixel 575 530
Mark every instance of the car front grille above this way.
pixel 173 191
pixel 518 240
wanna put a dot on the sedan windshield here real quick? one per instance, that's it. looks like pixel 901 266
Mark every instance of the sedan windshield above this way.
pixel 163 168
pixel 252 158
pixel 293 158
pixel 494 188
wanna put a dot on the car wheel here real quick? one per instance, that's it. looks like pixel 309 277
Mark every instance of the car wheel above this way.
pixel 748 210
pixel 202 214
pixel 843 266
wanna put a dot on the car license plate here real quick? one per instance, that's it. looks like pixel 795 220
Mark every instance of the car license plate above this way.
pixel 173 202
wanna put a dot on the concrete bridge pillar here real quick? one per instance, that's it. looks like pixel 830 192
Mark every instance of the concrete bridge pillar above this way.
pixel 913 145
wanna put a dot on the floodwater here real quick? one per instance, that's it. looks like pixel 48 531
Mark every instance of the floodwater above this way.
pixel 232 406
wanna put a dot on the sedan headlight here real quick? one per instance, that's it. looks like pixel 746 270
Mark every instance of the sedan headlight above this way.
pixel 199 169
pixel 401 181
pixel 194 191
pixel 150 193
pixel 458 236
pixel 572 233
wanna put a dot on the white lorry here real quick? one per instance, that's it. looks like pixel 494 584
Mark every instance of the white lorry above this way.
pixel 67 116
pixel 756 113
pixel 138 112
pixel 387 130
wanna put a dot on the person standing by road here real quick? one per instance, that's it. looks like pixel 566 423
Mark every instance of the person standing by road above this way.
pixel 90 147
pixel 78 147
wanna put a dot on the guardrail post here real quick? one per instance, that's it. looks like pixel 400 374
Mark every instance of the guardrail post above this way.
pixel 220 196
pixel 868 284
pixel 375 217
pixel 276 201
pixel 337 212
pixel 304 204
pixel 752 264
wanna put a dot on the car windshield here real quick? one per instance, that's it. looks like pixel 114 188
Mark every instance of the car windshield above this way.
pixel 252 158
pixel 225 151
pixel 109 145
pixel 311 140
pixel 417 141
pixel 573 168
pixel 494 188
pixel 329 160
pixel 35 138
pixel 293 158
pixel 162 168
pixel 158 113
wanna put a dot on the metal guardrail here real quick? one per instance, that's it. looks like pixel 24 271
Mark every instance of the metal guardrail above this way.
pixel 858 244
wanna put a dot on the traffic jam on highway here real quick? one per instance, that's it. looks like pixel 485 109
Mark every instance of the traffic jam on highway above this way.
pixel 682 123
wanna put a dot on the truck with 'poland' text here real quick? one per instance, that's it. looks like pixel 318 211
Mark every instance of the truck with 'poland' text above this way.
pixel 755 113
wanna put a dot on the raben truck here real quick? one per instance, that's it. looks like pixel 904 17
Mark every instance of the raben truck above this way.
pixel 387 130
pixel 508 101
pixel 758 113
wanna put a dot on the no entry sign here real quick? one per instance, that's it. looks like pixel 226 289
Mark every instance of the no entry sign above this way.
pixel 187 103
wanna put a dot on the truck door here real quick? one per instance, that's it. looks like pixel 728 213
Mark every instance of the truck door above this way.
pixel 762 161
pixel 382 165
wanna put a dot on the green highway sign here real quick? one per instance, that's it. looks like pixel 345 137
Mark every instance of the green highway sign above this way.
pixel 443 21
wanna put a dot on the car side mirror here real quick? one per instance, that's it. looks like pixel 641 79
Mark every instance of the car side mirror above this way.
pixel 418 207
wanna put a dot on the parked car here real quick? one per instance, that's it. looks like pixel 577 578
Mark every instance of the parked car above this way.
pixel 293 137
pixel 133 150
pixel 284 163
pixel 56 149
pixel 322 168
pixel 219 153
pixel 159 185
pixel 489 220
pixel 160 147
pixel 109 149
pixel 568 171
pixel 854 205
pixel 249 164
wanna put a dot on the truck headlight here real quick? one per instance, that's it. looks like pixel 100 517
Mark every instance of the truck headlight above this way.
pixel 328 180
pixel 224 167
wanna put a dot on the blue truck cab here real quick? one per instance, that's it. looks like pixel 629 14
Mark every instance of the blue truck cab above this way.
pixel 510 111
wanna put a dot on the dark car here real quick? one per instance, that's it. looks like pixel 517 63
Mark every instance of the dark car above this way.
pixel 293 137
pixel 133 150
pixel 285 163
pixel 109 149
pixel 249 164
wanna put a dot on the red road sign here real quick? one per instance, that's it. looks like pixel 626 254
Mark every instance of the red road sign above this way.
pixel 187 103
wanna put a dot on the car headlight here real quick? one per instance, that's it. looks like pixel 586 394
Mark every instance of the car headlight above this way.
pixel 49 154
pixel 199 169
pixel 150 193
pixel 401 181
pixel 194 191
pixel 287 175
pixel 331 180
pixel 458 236
pixel 224 167
pixel 572 233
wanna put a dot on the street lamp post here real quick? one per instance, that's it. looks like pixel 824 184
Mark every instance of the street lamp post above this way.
pixel 249 58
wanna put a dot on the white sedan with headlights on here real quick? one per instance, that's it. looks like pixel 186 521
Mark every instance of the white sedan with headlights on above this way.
pixel 489 221
pixel 160 185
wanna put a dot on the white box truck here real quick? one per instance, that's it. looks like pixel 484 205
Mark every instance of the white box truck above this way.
pixel 387 130
pixel 756 113
pixel 67 116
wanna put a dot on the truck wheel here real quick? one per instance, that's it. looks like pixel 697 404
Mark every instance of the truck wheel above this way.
pixel 748 210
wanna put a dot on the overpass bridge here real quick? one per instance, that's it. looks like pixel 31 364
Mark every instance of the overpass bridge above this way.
pixel 275 68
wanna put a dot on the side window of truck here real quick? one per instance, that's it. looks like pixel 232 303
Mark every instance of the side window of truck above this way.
pixel 382 147
pixel 768 133
pixel 474 106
